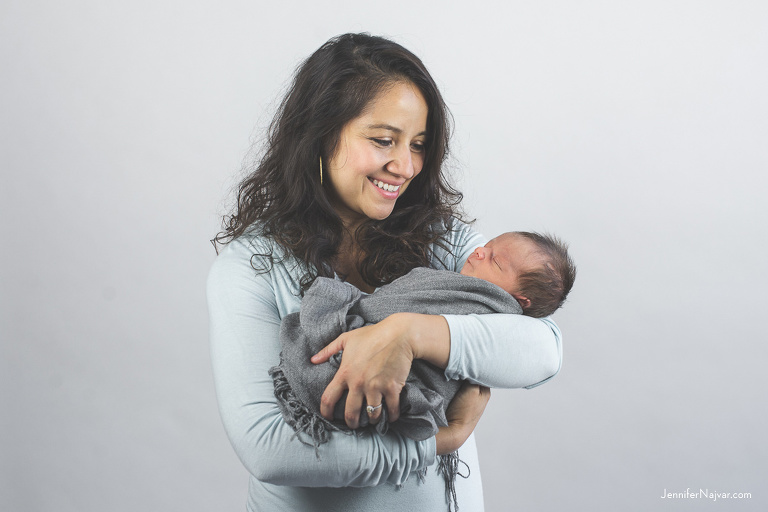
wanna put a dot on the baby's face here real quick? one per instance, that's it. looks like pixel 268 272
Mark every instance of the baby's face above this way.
pixel 502 261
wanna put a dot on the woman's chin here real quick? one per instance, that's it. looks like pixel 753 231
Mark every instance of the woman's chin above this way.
pixel 379 213
pixel 382 216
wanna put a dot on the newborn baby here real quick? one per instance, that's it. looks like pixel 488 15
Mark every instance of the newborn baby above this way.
pixel 535 269
pixel 517 272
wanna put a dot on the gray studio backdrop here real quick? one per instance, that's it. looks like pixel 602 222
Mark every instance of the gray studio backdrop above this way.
pixel 634 130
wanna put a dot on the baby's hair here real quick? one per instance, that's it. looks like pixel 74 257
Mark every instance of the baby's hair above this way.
pixel 548 286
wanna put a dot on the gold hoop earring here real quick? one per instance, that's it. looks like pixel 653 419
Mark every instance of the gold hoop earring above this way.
pixel 321 170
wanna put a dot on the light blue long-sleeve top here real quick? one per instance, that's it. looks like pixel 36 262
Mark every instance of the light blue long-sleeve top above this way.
pixel 353 473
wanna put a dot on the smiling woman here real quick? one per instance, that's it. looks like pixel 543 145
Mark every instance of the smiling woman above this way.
pixel 367 108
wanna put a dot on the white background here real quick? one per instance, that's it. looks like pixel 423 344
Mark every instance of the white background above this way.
pixel 634 130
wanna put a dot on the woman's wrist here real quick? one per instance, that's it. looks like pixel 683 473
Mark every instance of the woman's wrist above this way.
pixel 428 336
pixel 444 441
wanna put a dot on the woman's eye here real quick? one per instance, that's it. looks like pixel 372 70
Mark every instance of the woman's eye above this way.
pixel 418 147
pixel 385 143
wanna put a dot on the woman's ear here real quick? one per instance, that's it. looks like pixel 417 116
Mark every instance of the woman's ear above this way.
pixel 524 301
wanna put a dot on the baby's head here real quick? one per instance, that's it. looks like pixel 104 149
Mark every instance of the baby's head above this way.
pixel 535 269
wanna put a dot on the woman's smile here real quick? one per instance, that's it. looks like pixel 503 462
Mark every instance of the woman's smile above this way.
pixel 387 190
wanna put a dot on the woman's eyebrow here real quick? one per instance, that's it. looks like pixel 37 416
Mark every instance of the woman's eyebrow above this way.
pixel 383 126
pixel 389 127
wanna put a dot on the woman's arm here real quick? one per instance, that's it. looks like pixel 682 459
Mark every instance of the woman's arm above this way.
pixel 244 327
pixel 503 351
pixel 527 349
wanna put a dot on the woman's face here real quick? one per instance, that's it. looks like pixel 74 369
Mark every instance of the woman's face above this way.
pixel 378 155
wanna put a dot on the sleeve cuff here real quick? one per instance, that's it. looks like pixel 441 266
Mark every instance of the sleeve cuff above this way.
pixel 456 364
pixel 430 452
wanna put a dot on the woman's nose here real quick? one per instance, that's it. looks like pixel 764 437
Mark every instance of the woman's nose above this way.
pixel 402 164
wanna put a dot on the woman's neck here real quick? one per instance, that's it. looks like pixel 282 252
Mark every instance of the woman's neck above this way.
pixel 347 262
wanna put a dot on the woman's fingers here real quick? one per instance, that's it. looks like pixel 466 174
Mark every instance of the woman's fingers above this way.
pixel 331 395
pixel 353 408
pixel 328 351
pixel 374 407
pixel 392 399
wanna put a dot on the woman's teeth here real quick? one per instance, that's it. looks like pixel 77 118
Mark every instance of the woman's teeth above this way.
pixel 385 186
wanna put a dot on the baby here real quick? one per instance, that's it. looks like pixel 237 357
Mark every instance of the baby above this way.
pixel 535 269
pixel 515 273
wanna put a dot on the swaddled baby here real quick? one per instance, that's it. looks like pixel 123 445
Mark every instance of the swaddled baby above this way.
pixel 517 272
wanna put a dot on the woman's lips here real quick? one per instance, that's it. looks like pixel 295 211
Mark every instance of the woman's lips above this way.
pixel 386 189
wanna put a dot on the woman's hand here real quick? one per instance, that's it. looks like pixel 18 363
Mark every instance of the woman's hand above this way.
pixel 463 413
pixel 374 366
pixel 376 362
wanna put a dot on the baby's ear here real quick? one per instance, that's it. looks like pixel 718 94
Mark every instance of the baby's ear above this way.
pixel 524 301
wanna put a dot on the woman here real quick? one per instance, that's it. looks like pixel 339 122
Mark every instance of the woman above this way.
pixel 350 186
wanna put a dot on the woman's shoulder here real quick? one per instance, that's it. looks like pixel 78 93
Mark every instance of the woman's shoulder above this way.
pixel 254 239
pixel 253 255
pixel 248 247
pixel 234 261
pixel 460 232
pixel 458 240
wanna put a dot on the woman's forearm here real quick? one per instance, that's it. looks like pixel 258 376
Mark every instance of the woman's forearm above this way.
pixel 462 415
pixel 503 351
pixel 269 450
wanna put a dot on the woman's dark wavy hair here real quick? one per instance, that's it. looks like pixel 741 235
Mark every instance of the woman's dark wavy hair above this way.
pixel 283 198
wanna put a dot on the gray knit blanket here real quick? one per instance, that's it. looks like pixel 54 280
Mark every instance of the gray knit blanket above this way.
pixel 331 307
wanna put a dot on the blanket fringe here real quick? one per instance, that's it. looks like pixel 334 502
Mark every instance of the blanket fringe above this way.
pixel 448 466
pixel 298 416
